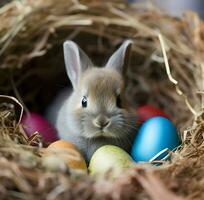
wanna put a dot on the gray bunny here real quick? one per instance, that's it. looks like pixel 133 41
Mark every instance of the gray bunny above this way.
pixel 93 114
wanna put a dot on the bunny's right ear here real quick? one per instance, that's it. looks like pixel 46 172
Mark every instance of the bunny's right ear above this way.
pixel 76 61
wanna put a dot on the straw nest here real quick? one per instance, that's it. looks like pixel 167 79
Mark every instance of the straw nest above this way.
pixel 31 37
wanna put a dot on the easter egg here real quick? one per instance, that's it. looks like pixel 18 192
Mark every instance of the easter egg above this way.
pixel 69 153
pixel 154 135
pixel 54 163
pixel 34 122
pixel 147 111
pixel 109 157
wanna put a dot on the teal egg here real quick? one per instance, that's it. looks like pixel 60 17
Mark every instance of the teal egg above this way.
pixel 154 135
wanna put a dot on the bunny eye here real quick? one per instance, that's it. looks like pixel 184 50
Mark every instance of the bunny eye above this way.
pixel 84 102
pixel 118 102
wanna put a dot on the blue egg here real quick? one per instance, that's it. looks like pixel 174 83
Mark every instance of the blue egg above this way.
pixel 156 134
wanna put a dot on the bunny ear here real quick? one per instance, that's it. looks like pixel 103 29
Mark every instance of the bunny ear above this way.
pixel 76 61
pixel 121 57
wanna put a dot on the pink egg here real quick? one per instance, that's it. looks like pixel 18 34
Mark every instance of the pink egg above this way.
pixel 35 122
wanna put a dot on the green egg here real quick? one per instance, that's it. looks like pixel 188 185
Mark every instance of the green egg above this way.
pixel 107 158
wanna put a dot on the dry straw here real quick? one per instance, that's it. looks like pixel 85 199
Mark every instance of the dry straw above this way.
pixel 166 70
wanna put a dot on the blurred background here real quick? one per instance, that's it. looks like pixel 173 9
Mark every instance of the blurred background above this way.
pixel 177 7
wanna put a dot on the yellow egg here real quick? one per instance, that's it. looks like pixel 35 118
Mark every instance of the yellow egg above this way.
pixel 69 153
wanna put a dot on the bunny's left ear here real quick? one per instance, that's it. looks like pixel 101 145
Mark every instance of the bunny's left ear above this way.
pixel 120 58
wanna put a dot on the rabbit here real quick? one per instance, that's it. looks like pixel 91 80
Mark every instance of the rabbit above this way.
pixel 93 113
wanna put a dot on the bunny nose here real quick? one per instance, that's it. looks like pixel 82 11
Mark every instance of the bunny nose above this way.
pixel 101 121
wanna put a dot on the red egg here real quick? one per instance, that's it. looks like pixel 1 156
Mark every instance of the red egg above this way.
pixel 147 111
pixel 34 122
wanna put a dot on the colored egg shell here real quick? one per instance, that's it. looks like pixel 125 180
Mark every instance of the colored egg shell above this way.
pixel 154 135
pixel 147 111
pixel 109 157
pixel 35 122
pixel 69 153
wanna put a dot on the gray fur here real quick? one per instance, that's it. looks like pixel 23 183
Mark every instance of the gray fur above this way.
pixel 101 87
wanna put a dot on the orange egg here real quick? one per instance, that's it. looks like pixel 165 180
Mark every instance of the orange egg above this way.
pixel 62 144
pixel 68 152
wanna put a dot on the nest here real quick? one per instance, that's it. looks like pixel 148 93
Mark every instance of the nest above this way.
pixel 31 37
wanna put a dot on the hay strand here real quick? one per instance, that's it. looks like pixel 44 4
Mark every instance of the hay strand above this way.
pixel 31 35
